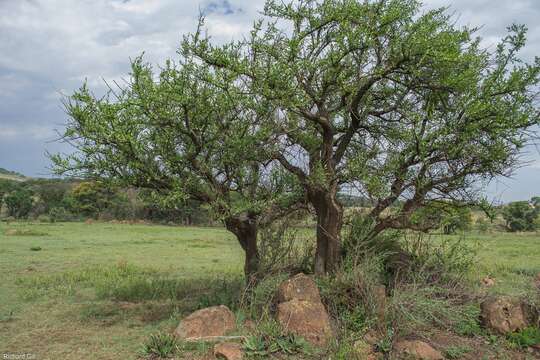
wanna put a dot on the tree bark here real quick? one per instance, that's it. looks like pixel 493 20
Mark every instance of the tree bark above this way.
pixel 329 222
pixel 245 230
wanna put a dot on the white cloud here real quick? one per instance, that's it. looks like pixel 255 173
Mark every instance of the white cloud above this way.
pixel 25 133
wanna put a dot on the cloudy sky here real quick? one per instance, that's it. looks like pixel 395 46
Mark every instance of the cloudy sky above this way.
pixel 49 47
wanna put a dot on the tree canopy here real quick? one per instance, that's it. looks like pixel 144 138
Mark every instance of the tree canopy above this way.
pixel 187 133
pixel 377 96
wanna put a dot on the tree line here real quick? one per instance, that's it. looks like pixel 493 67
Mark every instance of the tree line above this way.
pixel 55 200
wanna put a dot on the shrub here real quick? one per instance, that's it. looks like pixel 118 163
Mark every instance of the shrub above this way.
pixel 482 225
pixel 520 216
pixel 260 299
pixel 525 338
pixel 60 214
pixel 437 261
pixel 456 219
pixel 350 295
pixel 281 250
pixel 44 218
pixel 19 203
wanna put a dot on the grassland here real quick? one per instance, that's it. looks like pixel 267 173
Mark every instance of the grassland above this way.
pixel 96 291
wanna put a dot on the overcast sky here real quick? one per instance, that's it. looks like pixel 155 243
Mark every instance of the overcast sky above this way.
pixel 48 48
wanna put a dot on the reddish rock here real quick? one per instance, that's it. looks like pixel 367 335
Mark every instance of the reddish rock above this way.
pixel 503 314
pixel 228 351
pixel 307 319
pixel 417 349
pixel 209 322
pixel 299 287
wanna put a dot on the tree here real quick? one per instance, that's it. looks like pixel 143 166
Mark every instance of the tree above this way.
pixel 90 198
pixel 6 186
pixel 19 203
pixel 377 96
pixel 449 217
pixel 520 216
pixel 187 133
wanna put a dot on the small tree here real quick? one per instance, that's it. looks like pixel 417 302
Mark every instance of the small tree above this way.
pixel 19 203
pixel 90 198
pixel 520 216
pixel 456 219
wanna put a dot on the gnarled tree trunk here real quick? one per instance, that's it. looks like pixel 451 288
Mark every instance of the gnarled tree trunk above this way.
pixel 245 229
pixel 329 222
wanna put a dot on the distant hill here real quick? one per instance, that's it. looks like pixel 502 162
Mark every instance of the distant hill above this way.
pixel 11 175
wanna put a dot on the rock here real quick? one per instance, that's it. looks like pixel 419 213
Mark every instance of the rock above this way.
pixel 204 323
pixel 228 351
pixel 503 314
pixel 488 281
pixel 417 349
pixel 299 287
pixel 307 319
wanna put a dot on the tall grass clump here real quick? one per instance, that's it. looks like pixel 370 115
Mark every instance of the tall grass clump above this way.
pixel 397 283
pixel 160 345
pixel 282 249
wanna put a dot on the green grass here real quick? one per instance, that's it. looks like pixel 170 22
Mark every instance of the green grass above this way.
pixel 100 290
pixel 513 260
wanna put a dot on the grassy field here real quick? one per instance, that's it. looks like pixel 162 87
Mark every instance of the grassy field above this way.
pixel 96 291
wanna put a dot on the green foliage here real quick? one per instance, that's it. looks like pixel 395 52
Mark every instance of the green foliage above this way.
pixel 360 242
pixel 125 282
pixel 482 224
pixel 162 345
pixel 19 203
pixel 6 186
pixel 438 260
pixel 431 114
pixel 469 324
pixel 350 294
pixel 384 345
pixel 260 297
pixel 283 249
pixel 456 352
pixel 526 337
pixel 60 214
pixel 90 198
pixel 35 248
pixel 271 340
pixel 456 219
pixel 520 216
